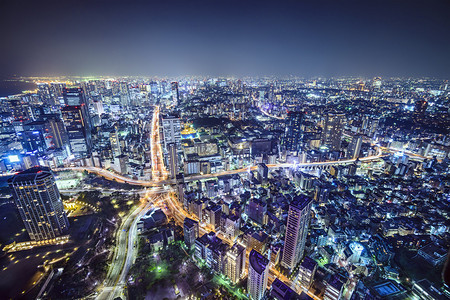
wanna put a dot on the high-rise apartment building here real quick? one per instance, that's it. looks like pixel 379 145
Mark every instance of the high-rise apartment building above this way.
pixel 296 231
pixel 332 131
pixel 37 198
pixel 175 93
pixel 258 273
pixel 235 263
pixel 293 132
pixel 354 148
pixel 190 230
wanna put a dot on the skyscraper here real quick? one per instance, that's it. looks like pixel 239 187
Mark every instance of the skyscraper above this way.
pixel 263 173
pixel 332 131
pixel 354 147
pixel 175 93
pixel 235 263
pixel 173 159
pixel 258 273
pixel 190 230
pixel 37 198
pixel 296 231
pixel 115 143
pixel 78 130
pixel 77 121
pixel 293 133
pixel 74 96
pixel 171 125
pixel 57 131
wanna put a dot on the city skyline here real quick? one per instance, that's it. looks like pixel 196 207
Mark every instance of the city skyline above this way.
pixel 251 188
pixel 247 150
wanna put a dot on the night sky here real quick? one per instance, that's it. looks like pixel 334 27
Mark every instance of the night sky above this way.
pixel 305 38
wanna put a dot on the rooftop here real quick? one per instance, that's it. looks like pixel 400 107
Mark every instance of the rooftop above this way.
pixel 257 261
pixel 308 263
pixel 31 174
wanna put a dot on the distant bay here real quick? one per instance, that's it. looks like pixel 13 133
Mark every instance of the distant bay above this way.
pixel 12 87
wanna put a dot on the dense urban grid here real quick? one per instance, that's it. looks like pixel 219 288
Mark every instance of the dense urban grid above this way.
pixel 225 188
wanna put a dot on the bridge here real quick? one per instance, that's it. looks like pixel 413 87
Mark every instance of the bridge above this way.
pixel 157 183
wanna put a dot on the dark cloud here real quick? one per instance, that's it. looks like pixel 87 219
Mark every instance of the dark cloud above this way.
pixel 389 38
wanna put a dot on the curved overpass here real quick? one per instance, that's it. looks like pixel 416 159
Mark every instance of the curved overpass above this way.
pixel 120 178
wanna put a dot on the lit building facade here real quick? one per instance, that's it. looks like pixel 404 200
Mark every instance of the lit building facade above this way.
pixel 296 231
pixel 235 263
pixel 293 132
pixel 332 131
pixel 171 125
pixel 258 273
pixel 190 231
pixel 37 198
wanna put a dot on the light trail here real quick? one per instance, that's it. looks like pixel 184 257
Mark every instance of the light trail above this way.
pixel 125 251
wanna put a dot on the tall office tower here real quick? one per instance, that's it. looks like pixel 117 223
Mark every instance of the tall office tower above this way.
pixel 293 133
pixel 296 231
pixel 78 129
pixel 173 159
pixel 175 93
pixel 419 109
pixel 332 131
pixel 57 132
pixel 37 198
pixel 74 96
pixel 171 125
pixel 77 121
pixel 115 143
pixel 263 173
pixel 235 263
pixel 190 230
pixel 306 273
pixel 258 273
pixel 354 147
